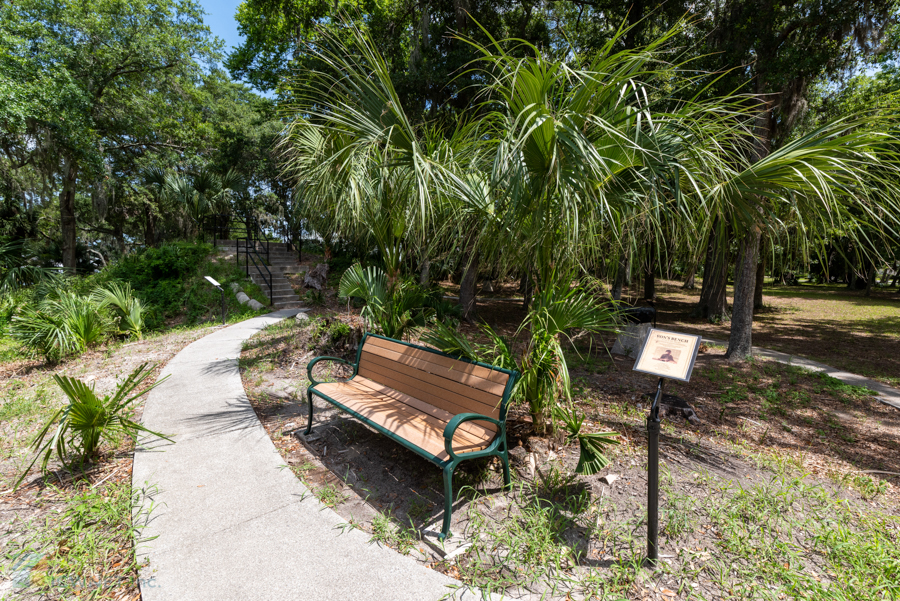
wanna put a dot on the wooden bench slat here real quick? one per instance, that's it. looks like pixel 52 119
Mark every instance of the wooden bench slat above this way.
pixel 358 391
pixel 427 392
pixel 424 363
pixel 480 430
pixel 416 428
pixel 452 387
pixel 495 376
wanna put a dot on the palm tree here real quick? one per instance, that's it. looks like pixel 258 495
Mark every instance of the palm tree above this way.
pixel 843 173
pixel 360 161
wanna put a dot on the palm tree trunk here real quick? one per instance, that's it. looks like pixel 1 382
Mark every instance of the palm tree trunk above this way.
pixel 870 278
pixel 527 288
pixel 689 283
pixel 740 343
pixel 760 277
pixel 628 268
pixel 650 273
pixel 467 298
pixel 424 273
pixel 619 282
pixel 713 299
pixel 68 224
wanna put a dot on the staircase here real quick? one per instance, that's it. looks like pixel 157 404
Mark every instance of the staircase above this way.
pixel 282 260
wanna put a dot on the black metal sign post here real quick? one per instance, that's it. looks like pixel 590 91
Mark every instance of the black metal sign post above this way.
pixel 222 290
pixel 669 356
pixel 653 426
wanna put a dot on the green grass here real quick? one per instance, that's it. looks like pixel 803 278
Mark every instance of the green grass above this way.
pixel 389 533
pixel 782 536
pixel 329 495
pixel 10 350
pixel 23 410
pixel 22 403
pixel 86 551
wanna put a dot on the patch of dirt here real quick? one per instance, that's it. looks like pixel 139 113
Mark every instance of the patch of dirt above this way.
pixel 30 384
pixel 756 419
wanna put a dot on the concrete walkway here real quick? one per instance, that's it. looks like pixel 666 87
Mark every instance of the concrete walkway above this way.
pixel 886 394
pixel 229 521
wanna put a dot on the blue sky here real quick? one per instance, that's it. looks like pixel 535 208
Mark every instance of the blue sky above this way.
pixel 220 19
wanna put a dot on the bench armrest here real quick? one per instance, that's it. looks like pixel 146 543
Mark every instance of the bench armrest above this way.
pixel 454 423
pixel 309 366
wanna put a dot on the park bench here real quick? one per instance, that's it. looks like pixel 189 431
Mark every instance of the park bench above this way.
pixel 444 408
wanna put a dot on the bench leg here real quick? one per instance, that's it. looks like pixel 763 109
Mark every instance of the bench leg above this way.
pixel 448 500
pixel 309 425
pixel 504 459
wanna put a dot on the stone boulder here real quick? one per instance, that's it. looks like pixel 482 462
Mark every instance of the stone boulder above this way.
pixel 316 277
pixel 631 339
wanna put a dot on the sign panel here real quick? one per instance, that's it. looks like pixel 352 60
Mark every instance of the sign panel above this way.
pixel 668 354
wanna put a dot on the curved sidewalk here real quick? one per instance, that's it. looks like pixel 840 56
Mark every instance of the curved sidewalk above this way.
pixel 886 394
pixel 229 521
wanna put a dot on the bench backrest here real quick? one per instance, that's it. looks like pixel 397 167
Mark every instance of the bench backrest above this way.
pixel 450 384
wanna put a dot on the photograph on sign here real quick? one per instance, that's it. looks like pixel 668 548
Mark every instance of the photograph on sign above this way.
pixel 668 354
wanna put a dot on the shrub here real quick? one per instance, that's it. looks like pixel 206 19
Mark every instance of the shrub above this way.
pixel 169 283
pixel 159 277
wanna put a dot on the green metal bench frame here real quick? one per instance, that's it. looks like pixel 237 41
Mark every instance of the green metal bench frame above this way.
pixel 497 447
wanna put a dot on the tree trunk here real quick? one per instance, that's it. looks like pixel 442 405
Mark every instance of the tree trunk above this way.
pixel 896 275
pixel 713 299
pixel 619 282
pixel 628 268
pixel 650 272
pixel 760 277
pixel 424 273
pixel 740 342
pixel 870 278
pixel 150 228
pixel 120 238
pixel 467 299
pixel 689 283
pixel 68 225
pixel 635 14
pixel 527 290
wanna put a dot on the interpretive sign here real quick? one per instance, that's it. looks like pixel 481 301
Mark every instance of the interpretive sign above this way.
pixel 669 355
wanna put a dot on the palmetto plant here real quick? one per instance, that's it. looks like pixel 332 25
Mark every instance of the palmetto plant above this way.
pixel 129 309
pixel 87 420
pixel 591 459
pixel 555 313
pixel 394 309
pixel 17 268
pixel 61 324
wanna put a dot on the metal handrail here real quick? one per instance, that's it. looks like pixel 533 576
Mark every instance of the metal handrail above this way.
pixel 267 277
pixel 253 239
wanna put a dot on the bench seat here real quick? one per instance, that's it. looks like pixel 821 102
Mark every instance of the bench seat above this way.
pixel 413 420
pixel 443 408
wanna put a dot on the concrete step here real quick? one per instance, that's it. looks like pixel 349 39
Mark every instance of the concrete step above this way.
pixel 291 304
pixel 280 247
pixel 277 285
pixel 284 297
